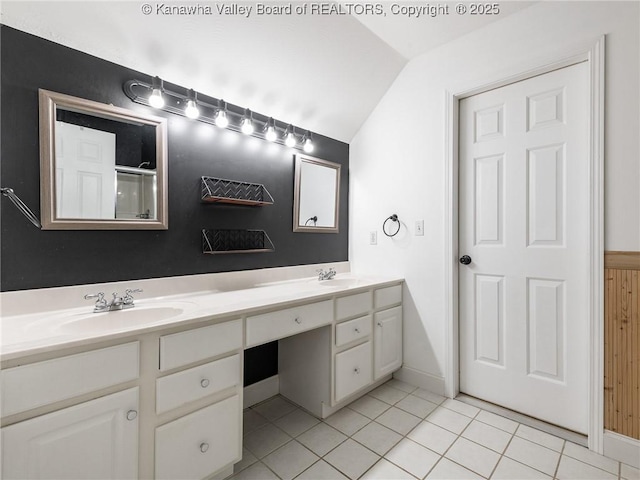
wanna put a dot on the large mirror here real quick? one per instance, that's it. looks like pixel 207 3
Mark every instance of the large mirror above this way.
pixel 101 167
pixel 316 196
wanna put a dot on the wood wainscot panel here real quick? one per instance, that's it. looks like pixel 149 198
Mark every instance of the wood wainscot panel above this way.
pixel 622 343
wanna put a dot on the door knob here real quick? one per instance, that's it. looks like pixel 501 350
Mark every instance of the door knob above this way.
pixel 465 259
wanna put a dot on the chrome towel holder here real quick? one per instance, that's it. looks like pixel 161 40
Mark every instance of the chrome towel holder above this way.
pixel 20 205
pixel 393 218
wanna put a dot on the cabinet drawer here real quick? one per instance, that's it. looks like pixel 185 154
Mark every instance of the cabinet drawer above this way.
pixel 383 297
pixel 353 305
pixel 38 384
pixel 353 330
pixel 283 323
pixel 201 443
pixel 183 348
pixel 353 370
pixel 198 382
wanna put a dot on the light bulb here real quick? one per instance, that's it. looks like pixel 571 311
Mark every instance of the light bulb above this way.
pixel 155 99
pixel 290 140
pixel 270 133
pixel 221 119
pixel 247 125
pixel 191 110
pixel 289 137
pixel 308 144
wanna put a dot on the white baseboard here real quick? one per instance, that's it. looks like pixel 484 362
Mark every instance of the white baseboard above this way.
pixel 622 448
pixel 420 379
pixel 260 391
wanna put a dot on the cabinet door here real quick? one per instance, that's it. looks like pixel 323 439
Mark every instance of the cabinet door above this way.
pixel 94 440
pixel 387 340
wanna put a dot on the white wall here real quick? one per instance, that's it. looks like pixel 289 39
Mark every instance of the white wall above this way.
pixel 397 157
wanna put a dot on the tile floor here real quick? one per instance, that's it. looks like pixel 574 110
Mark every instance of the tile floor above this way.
pixel 400 432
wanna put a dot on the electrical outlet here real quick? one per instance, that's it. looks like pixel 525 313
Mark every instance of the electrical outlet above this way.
pixel 373 237
pixel 419 228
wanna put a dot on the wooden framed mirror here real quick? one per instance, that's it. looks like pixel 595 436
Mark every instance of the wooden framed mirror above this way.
pixel 101 167
pixel 316 195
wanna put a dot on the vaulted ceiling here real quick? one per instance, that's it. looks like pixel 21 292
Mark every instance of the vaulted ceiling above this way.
pixel 322 71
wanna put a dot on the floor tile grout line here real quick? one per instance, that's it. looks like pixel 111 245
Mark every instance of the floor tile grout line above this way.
pixel 494 426
pixel 426 448
pixel 555 473
pixel 502 455
pixel 458 438
pixel 271 470
pixel 526 464
pixel 310 466
pixel 394 464
pixel 591 465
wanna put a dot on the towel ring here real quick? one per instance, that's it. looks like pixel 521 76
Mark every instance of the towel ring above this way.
pixel 393 218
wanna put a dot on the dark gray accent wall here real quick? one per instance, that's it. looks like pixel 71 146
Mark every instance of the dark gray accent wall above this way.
pixel 35 259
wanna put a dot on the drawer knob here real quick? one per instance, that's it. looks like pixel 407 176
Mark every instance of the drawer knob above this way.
pixel 357 330
pixel 204 446
pixel 204 383
pixel 131 415
pixel 356 370
pixel 379 324
pixel 297 320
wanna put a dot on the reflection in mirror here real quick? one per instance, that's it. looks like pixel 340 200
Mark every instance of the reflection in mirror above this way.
pixel 102 167
pixel 317 195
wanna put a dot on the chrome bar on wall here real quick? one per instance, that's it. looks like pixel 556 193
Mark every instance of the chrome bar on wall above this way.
pixel 20 205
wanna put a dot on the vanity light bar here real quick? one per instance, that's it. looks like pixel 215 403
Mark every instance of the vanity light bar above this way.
pixel 220 113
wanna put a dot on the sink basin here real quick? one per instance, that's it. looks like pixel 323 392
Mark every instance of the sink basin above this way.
pixel 122 319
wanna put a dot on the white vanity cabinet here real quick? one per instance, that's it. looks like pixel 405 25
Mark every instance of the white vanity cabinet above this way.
pixel 363 346
pixel 166 402
pixel 97 438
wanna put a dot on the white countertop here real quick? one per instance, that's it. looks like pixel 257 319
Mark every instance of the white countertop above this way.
pixel 45 331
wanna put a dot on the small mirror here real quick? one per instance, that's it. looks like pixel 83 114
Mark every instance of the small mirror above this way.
pixel 101 167
pixel 316 196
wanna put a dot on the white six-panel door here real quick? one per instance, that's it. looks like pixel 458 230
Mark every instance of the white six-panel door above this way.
pixel 85 172
pixel 524 205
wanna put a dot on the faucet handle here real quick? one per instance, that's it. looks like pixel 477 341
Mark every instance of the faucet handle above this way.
pixel 128 297
pixel 100 302
pixel 99 296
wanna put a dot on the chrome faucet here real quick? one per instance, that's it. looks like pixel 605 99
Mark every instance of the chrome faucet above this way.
pixel 328 275
pixel 117 302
